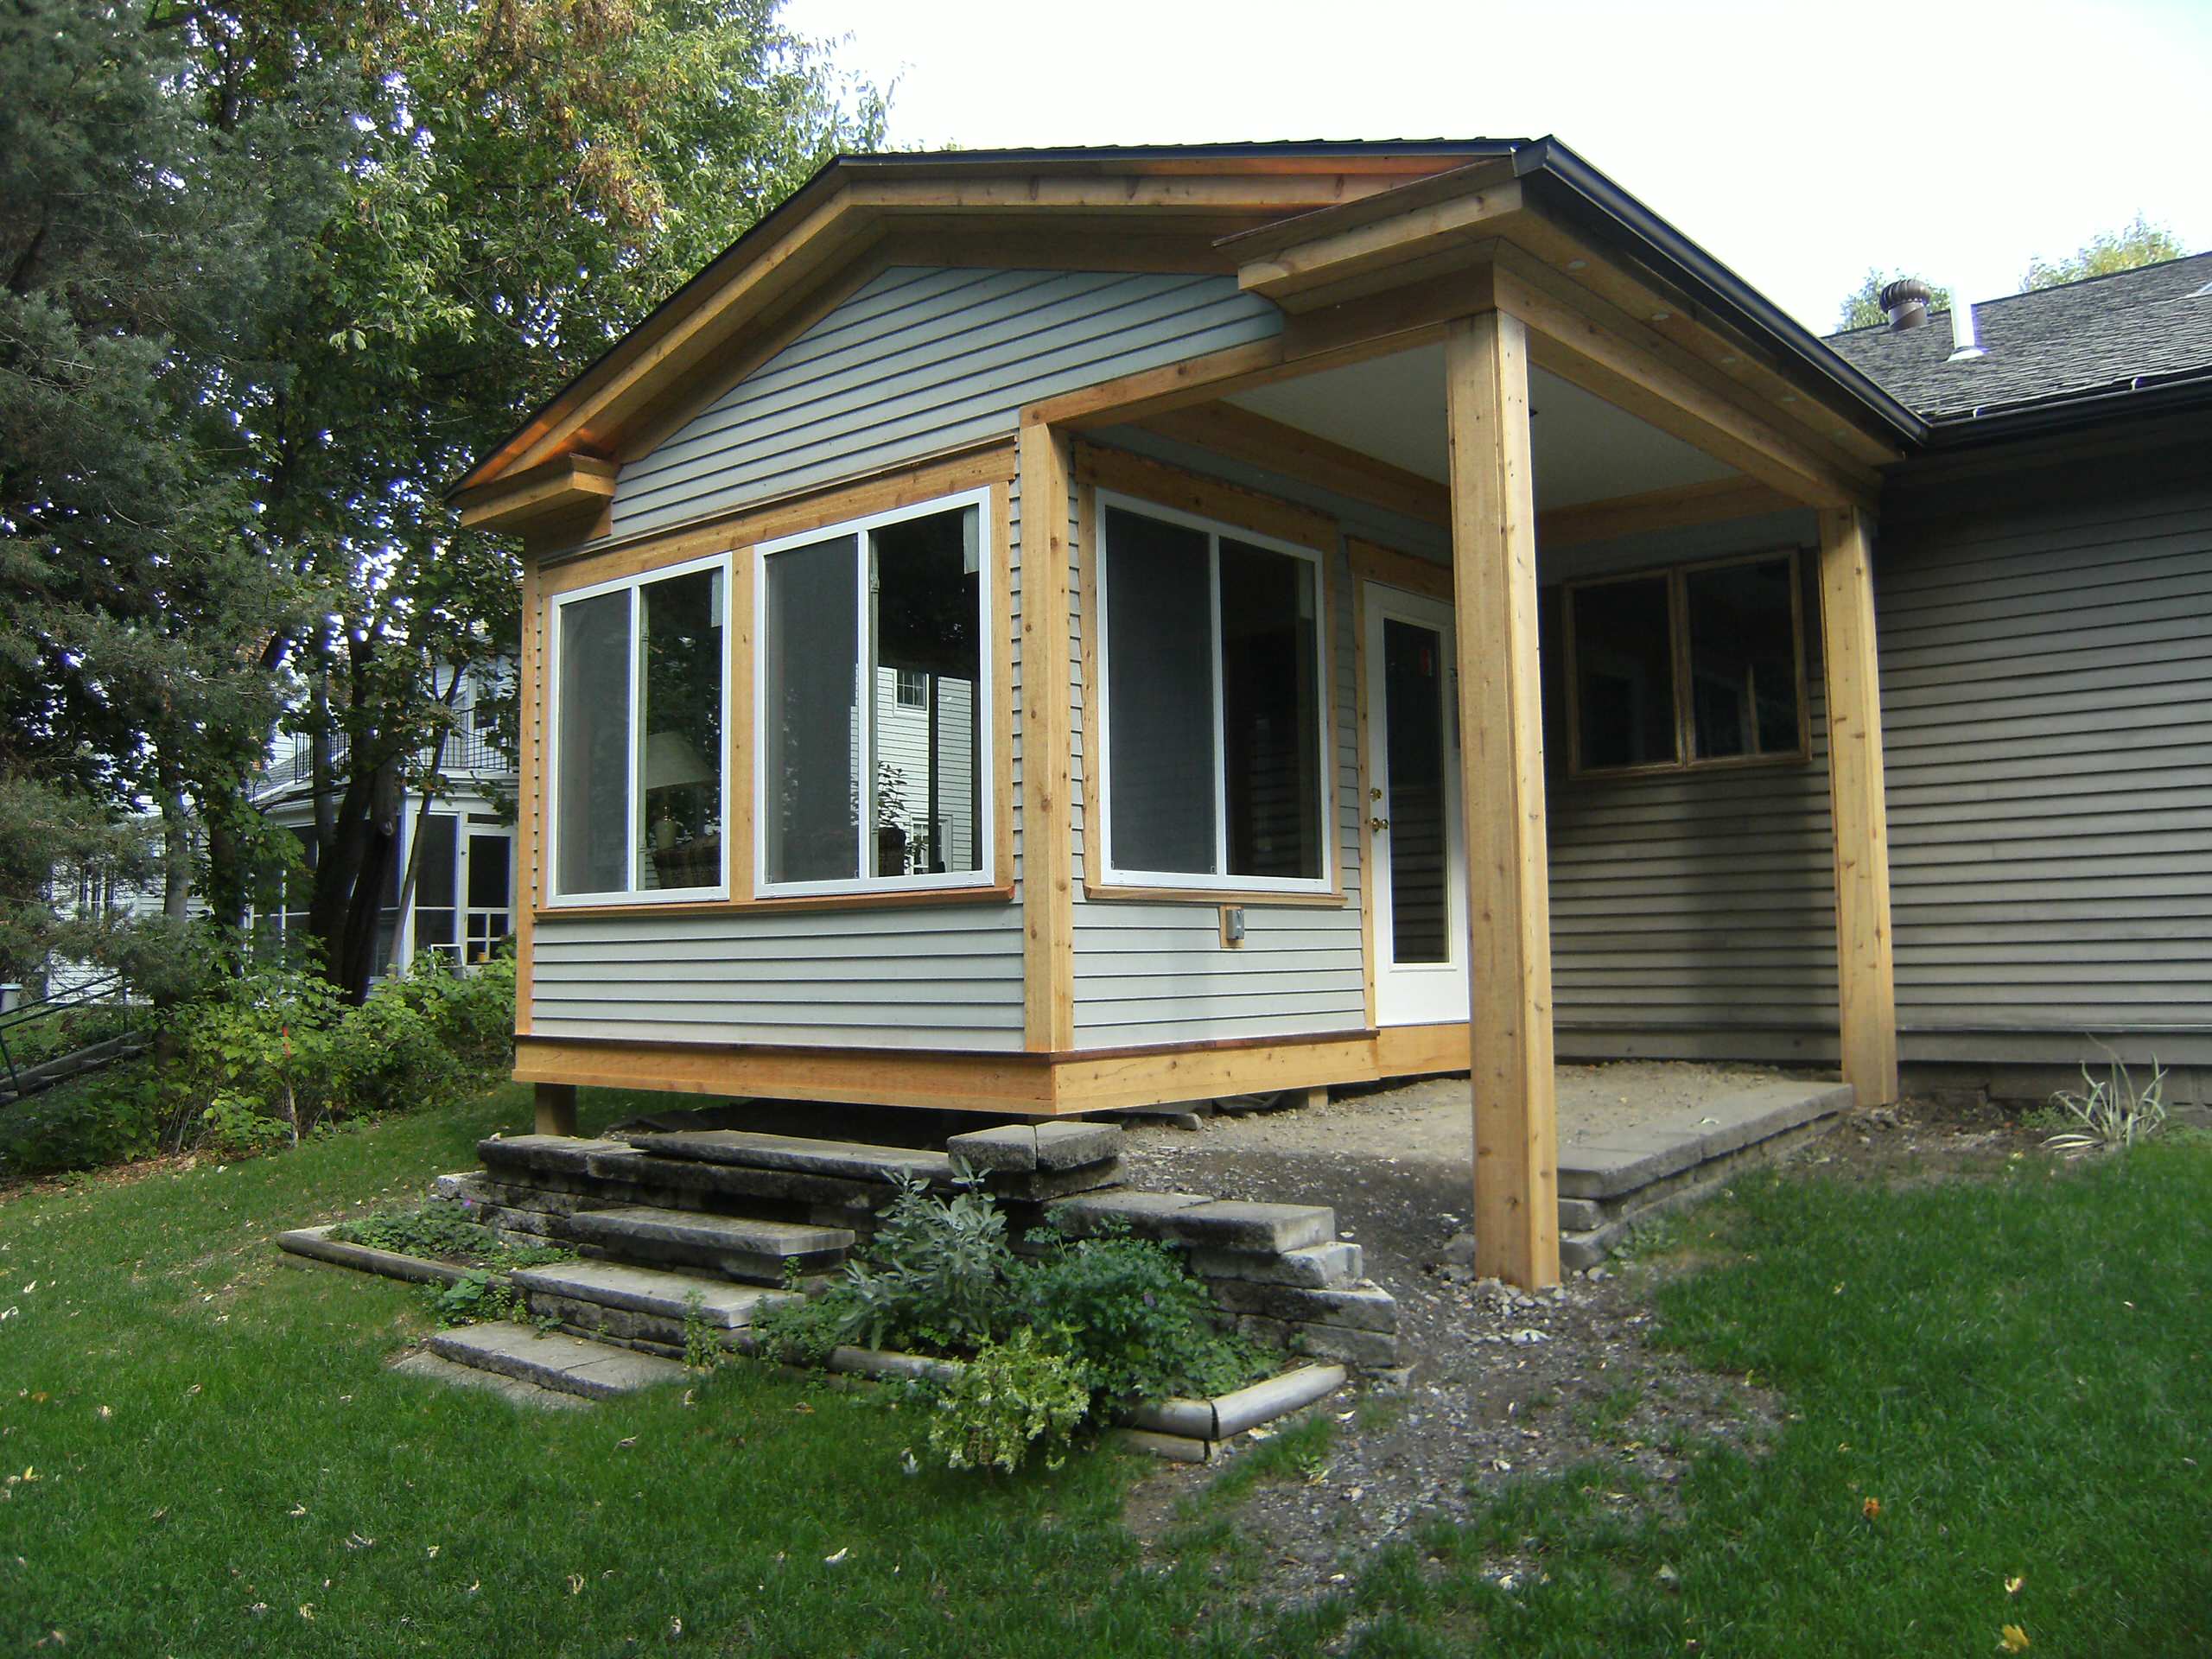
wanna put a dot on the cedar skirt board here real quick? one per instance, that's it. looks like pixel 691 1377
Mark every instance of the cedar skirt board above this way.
pixel 1012 1085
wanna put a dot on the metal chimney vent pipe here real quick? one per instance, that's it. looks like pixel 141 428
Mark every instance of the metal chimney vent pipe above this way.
pixel 1905 303
pixel 1966 338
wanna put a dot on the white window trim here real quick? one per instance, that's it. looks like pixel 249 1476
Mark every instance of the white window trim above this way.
pixel 634 829
pixel 863 691
pixel 1100 835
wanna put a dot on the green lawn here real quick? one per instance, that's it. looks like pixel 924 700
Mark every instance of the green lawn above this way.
pixel 2018 1369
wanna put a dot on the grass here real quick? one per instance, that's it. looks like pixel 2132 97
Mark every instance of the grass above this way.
pixel 2015 1369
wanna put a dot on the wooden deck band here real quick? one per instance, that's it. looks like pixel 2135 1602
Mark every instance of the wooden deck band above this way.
pixel 1018 1084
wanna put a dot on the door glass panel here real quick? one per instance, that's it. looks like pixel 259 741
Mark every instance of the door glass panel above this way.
pixel 1418 840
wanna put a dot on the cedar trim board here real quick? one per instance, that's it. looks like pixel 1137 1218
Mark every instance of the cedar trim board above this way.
pixel 1025 1085
pixel 845 208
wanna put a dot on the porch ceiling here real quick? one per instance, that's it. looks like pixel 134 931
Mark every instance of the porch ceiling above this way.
pixel 1393 408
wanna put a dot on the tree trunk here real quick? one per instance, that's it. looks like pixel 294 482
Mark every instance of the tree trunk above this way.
pixel 415 842
pixel 177 849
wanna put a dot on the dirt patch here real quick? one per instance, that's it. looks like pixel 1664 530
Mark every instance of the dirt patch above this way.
pixel 1504 1385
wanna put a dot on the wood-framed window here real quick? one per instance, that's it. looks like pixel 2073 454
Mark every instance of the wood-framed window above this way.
pixel 1696 666
pixel 1211 757
pixel 872 693
pixel 637 761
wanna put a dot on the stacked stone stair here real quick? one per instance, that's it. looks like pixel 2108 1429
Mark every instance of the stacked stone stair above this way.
pixel 719 1224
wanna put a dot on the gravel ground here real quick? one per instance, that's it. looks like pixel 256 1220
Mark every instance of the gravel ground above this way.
pixel 1504 1385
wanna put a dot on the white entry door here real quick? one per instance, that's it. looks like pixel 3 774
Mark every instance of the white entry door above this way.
pixel 1418 864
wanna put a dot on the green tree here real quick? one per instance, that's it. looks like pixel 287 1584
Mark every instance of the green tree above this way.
pixel 527 179
pixel 2134 245
pixel 137 249
pixel 1862 307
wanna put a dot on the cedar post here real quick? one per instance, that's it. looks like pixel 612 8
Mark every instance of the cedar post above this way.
pixel 556 1107
pixel 1509 961
pixel 1046 461
pixel 1866 969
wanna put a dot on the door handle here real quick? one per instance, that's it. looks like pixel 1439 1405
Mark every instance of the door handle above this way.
pixel 1378 825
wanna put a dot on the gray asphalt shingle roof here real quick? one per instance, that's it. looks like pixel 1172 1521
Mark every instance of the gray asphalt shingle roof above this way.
pixel 2054 342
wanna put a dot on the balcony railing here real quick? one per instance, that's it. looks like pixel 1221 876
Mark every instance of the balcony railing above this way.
pixel 477 752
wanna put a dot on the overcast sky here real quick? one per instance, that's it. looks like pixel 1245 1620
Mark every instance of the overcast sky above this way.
pixel 1798 144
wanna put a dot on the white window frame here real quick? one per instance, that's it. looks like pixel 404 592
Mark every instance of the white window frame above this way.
pixel 864 694
pixel 634 829
pixel 1100 835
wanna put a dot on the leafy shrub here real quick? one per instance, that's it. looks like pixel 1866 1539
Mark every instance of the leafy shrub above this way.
pixel 1010 1395
pixel 262 1039
pixel 1132 1320
pixel 475 1298
pixel 441 1231
pixel 108 1118
pixel 234 1128
pixel 936 1275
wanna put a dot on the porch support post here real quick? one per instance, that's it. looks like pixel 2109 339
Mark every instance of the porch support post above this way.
pixel 1866 975
pixel 556 1107
pixel 1509 901
pixel 1046 461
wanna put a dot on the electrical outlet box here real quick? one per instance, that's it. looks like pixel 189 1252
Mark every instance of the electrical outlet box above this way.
pixel 1232 926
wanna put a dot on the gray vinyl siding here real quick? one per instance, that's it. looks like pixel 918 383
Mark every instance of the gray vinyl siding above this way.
pixel 1699 900
pixel 2047 710
pixel 923 359
pixel 938 976
pixel 1149 973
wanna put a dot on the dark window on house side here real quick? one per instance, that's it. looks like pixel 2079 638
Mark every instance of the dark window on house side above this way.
pixel 1702 664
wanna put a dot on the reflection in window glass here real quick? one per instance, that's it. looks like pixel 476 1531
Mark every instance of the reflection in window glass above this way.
pixel 1270 713
pixel 1160 675
pixel 927 717
pixel 810 718
pixel 680 722
pixel 1625 674
pixel 1743 636
pixel 591 807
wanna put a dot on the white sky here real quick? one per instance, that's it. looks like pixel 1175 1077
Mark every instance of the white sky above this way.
pixel 1798 145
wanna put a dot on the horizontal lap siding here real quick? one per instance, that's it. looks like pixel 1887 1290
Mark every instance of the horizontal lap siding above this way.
pixel 2047 705
pixel 1148 973
pixel 919 360
pixel 936 977
pixel 1692 900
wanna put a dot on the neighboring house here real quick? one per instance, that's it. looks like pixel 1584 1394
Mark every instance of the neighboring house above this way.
pixel 465 850
pixel 1381 569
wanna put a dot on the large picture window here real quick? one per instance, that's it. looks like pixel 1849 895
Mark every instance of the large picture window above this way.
pixel 1700 665
pixel 1214 727
pixel 873 694
pixel 639 677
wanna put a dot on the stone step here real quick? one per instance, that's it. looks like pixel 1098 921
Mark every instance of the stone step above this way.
pixel 569 1364
pixel 849 1160
pixel 760 1252
pixel 639 1303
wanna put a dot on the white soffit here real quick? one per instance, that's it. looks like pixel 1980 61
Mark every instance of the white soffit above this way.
pixel 1392 407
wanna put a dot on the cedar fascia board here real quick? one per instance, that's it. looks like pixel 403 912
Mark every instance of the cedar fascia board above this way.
pixel 512 500
pixel 866 192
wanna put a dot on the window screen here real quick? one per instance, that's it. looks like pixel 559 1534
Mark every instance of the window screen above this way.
pixel 1743 640
pixel 809 714
pixel 1270 713
pixel 593 720
pixel 1625 674
pixel 1159 666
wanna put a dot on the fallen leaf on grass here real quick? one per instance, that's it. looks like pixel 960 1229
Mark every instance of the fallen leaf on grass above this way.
pixel 832 1561
pixel 298 1510
pixel 633 1440
pixel 2012 1585
pixel 1872 1509
pixel 2013 1639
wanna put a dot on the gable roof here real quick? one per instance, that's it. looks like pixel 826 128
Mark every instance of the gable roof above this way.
pixel 2126 332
